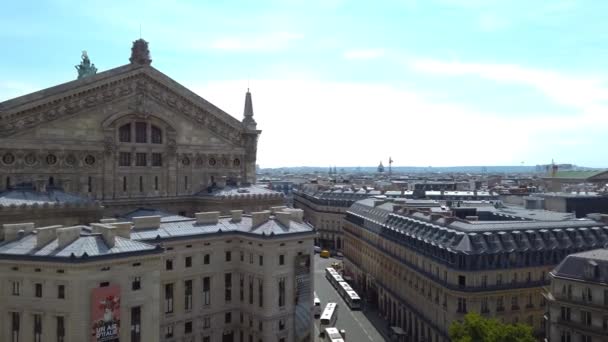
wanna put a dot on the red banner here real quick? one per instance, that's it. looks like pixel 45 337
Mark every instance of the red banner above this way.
pixel 105 314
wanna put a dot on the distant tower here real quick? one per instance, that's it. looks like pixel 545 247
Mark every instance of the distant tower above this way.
pixel 380 167
pixel 553 168
pixel 330 171
pixel 390 166
pixel 250 136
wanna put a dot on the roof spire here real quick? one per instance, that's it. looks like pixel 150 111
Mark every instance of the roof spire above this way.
pixel 248 112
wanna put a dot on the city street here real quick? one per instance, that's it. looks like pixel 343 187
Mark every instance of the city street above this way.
pixel 357 325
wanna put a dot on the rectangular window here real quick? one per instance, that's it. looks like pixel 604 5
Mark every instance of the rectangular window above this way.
pixel 251 258
pixel 60 329
pixel 61 291
pixel 281 292
pixel 282 259
pixel 188 327
pixel 228 256
pixel 141 132
pixel 15 326
pixel 155 182
pixel 565 313
pixel 206 259
pixel 157 135
pixel 260 292
pixel 124 184
pixel 169 265
pixel 242 287
pixel 242 256
pixel 484 305
pixel 462 305
pixel 281 324
pixel 228 287
pixel 206 291
pixel 499 279
pixel 586 338
pixel 168 298
pixel 140 159
pixel 188 295
pixel 136 284
pixel 124 159
pixel 206 339
pixel 37 328
pixel 188 262
pixel 250 290
pixel 228 317
pixel 514 303
pixel 565 336
pixel 157 159
pixel 169 331
pixel 586 318
pixel 484 280
pixel 136 324
pixel 206 322
pixel 38 290
pixel 261 260
pixel 15 285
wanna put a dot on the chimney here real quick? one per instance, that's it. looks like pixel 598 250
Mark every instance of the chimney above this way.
pixel 108 233
pixel 297 215
pixel 10 232
pixel 208 217
pixel 236 215
pixel 284 218
pixel 259 218
pixel 45 235
pixel 277 209
pixel 123 229
pixel 66 236
pixel 146 222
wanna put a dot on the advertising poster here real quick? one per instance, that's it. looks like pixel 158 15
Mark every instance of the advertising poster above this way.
pixel 105 314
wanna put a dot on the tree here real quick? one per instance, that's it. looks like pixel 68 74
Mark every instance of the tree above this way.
pixel 475 328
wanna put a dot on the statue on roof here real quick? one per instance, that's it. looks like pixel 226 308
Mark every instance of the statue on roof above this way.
pixel 140 54
pixel 86 68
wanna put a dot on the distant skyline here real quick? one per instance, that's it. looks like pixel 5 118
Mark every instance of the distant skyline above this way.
pixel 338 82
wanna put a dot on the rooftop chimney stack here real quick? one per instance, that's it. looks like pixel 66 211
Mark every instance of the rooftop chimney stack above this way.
pixel 45 235
pixel 208 217
pixel 66 236
pixel 10 232
pixel 236 215
pixel 259 218
pixel 146 222
pixel 283 218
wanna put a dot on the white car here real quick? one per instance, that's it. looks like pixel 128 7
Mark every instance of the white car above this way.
pixel 317 249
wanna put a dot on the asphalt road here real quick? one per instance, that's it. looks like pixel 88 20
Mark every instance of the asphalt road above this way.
pixel 358 327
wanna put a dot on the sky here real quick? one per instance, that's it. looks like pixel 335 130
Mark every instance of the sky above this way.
pixel 352 83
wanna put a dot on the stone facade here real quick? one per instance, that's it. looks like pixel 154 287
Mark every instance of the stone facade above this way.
pixel 127 133
pixel 235 278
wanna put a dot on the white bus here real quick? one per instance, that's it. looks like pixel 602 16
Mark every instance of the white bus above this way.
pixel 349 295
pixel 317 306
pixel 333 335
pixel 328 317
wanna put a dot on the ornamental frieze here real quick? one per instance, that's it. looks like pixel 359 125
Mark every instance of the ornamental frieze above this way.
pixel 139 88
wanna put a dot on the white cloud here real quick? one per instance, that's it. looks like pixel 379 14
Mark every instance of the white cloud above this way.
pixel 584 93
pixel 364 54
pixel 266 42
pixel 310 122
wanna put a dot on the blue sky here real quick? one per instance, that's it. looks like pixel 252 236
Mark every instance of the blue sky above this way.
pixel 349 83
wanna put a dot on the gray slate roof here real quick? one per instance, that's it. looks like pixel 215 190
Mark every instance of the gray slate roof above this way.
pixel 30 197
pixel 86 245
pixel 573 266
pixel 187 229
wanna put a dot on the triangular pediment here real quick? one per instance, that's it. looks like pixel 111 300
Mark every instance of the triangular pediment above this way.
pixel 141 85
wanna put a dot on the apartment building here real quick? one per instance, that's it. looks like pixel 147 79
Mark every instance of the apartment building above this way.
pixel 424 270
pixel 153 278
pixel 577 298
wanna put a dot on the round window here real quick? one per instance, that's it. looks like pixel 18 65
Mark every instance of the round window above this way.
pixel 8 158
pixel 236 162
pixel 212 161
pixel 186 161
pixel 51 159
pixel 89 160
pixel 30 159
pixel 70 160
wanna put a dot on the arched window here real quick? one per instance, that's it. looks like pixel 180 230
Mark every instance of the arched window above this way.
pixel 141 131
pixel 125 133
pixel 157 135
pixel 51 181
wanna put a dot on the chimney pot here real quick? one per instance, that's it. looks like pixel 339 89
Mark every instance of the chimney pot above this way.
pixel 208 217
pixel 236 215
pixel 146 222
pixel 259 218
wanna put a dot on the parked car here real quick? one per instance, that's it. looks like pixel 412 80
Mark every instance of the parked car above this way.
pixel 324 253
pixel 317 249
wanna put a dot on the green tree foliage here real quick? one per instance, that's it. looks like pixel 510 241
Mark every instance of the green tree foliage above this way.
pixel 475 328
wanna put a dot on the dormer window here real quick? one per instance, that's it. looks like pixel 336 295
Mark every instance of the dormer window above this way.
pixel 591 270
